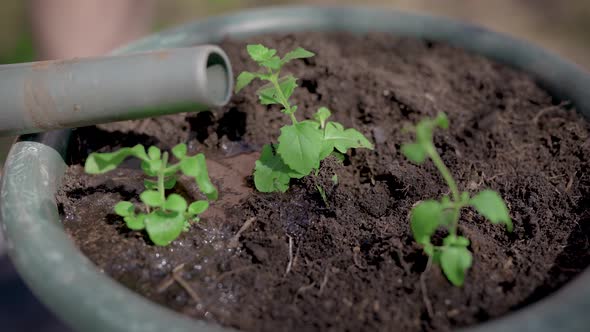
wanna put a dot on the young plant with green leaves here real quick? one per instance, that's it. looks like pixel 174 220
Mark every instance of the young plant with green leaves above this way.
pixel 302 145
pixel 163 216
pixel 453 255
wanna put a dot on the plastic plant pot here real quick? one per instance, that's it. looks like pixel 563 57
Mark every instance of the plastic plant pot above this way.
pixel 90 301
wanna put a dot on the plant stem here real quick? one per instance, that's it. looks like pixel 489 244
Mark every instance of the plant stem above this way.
pixel 282 99
pixel 172 169
pixel 446 174
pixel 444 171
pixel 161 188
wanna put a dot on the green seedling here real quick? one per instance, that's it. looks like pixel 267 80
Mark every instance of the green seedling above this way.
pixel 323 194
pixel 163 217
pixel 302 145
pixel 453 255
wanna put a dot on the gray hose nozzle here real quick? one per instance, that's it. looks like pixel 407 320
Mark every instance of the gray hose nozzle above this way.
pixel 41 96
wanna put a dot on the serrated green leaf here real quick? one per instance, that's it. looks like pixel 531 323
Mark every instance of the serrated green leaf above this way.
pixel 135 223
pixel 164 227
pixel 414 152
pixel 455 261
pixel 179 151
pixel 273 63
pixel 196 167
pixel 322 115
pixel 327 148
pixel 243 80
pixel 298 53
pixel 151 198
pixel 344 139
pixel 425 218
pixel 154 153
pixel 260 53
pixel 490 205
pixel 125 209
pixel 299 146
pixel 267 99
pixel 288 85
pixel 271 174
pixel 267 94
pixel 176 203
pixel 98 163
pixel 198 207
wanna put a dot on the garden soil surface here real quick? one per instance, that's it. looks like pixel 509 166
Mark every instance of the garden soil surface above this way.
pixel 350 263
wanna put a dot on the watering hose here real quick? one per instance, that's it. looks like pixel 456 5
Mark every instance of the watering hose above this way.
pixel 47 95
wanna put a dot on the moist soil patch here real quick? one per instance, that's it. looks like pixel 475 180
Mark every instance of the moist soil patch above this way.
pixel 350 263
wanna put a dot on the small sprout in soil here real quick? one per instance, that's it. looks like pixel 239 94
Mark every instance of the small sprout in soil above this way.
pixel 322 191
pixel 453 255
pixel 323 194
pixel 163 217
pixel 335 179
pixel 302 145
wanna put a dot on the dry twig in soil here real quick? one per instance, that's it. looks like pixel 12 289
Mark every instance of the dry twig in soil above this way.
pixel 234 242
pixel 425 298
pixel 290 264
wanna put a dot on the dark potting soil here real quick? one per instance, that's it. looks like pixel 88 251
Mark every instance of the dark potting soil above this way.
pixel 351 264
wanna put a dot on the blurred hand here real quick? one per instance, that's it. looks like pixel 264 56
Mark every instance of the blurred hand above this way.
pixel 79 28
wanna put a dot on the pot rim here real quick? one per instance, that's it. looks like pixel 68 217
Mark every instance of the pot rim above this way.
pixel 35 166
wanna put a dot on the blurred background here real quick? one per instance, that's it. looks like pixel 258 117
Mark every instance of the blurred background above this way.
pixel 561 26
